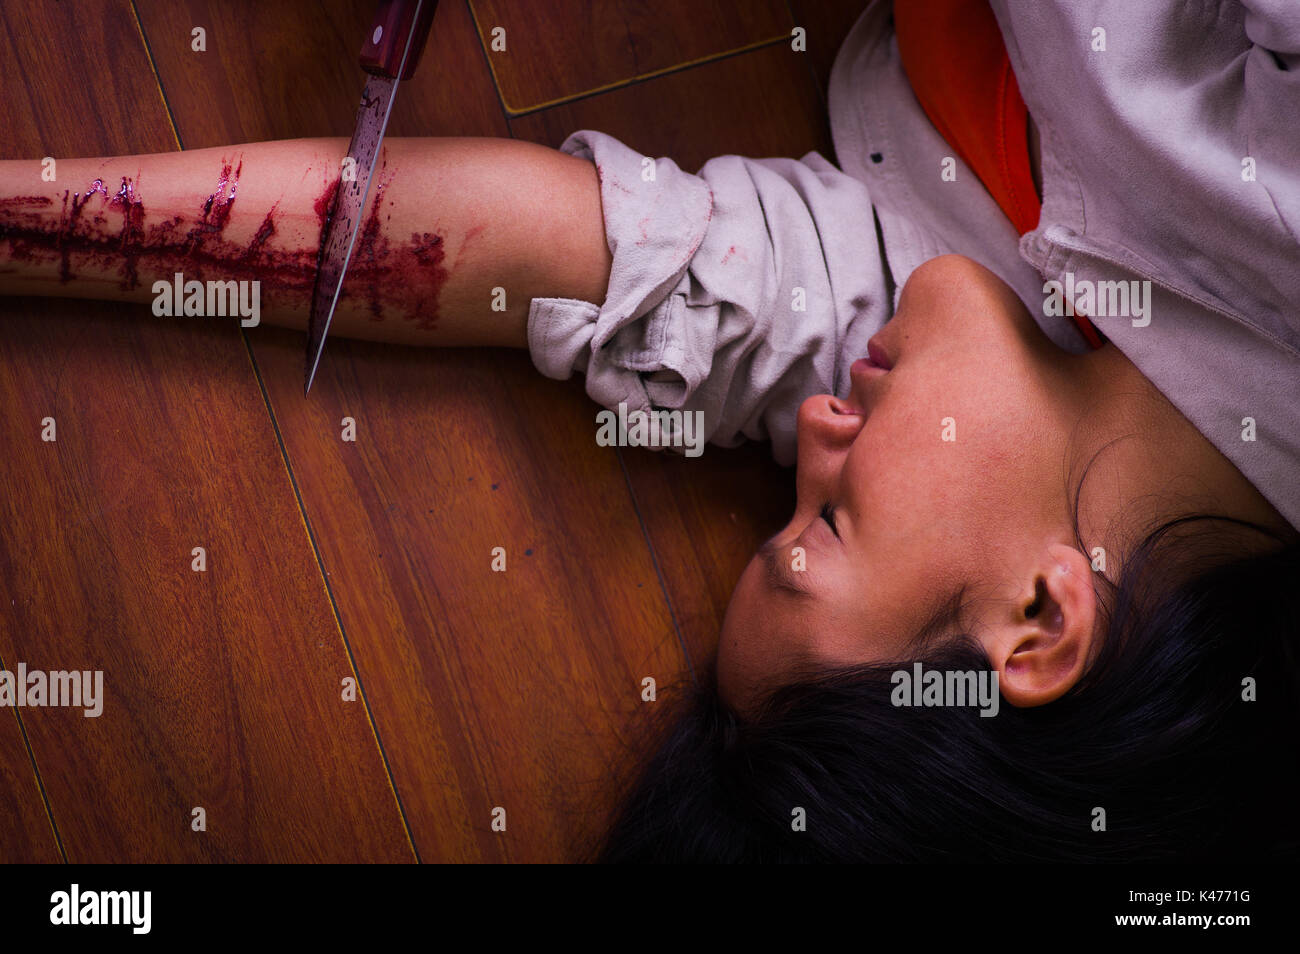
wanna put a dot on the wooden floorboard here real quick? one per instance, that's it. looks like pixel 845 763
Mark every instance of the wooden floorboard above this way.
pixel 705 515
pixel 827 23
pixel 565 48
pixel 26 832
pixel 490 690
pixel 518 690
pixel 223 688
pixel 510 689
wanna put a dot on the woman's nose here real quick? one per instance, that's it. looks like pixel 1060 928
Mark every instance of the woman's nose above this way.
pixel 829 422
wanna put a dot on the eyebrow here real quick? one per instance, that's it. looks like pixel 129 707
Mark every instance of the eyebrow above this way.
pixel 777 575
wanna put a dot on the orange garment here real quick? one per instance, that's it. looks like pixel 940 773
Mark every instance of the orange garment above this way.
pixel 957 65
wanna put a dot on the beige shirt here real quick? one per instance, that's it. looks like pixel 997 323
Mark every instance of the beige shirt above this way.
pixel 1169 156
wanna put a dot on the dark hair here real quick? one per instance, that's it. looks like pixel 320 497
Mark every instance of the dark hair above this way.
pixel 1158 732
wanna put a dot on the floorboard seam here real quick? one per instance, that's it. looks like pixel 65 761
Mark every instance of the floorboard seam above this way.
pixel 40 783
pixel 293 482
pixel 329 592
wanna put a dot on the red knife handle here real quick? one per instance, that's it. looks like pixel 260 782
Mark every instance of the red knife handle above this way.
pixel 396 22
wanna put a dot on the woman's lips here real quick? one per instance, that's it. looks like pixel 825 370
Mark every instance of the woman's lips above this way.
pixel 876 355
pixel 863 374
pixel 876 364
pixel 867 368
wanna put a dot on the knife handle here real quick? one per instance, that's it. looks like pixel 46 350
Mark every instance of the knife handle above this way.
pixel 395 22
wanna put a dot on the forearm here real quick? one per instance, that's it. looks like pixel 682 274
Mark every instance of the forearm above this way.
pixel 447 223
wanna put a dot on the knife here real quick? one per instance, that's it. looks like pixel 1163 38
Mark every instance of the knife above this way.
pixel 391 52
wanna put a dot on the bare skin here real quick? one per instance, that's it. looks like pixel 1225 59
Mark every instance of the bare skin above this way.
pixel 450 220
pixel 915 516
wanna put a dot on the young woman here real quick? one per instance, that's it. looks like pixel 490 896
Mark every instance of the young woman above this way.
pixel 1038 377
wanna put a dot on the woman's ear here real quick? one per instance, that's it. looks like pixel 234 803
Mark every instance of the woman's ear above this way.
pixel 1044 644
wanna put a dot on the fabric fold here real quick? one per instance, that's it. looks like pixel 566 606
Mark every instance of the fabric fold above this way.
pixel 735 292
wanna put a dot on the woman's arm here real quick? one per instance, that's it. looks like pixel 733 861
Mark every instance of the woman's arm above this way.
pixel 447 222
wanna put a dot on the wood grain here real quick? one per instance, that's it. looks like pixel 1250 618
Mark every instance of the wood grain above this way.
pixel 223 687
pixel 26 833
pixel 827 23
pixel 490 690
pixel 289 69
pixel 705 516
pixel 762 103
pixel 518 690
pixel 563 49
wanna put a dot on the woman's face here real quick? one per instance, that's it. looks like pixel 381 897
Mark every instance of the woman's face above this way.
pixel 934 467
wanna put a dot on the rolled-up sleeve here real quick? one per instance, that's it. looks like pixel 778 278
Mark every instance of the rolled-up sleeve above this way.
pixel 737 291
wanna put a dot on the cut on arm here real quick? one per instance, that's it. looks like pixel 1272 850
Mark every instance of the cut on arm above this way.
pixel 457 237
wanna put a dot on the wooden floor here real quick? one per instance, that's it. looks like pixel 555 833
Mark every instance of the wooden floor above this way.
pixel 368 561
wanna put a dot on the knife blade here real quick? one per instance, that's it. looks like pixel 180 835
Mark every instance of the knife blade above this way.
pixel 390 54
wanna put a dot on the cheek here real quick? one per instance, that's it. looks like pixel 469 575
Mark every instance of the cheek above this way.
pixel 942 465
pixel 921 470
pixel 766 640
pixel 902 462
pixel 742 642
pixel 949 425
